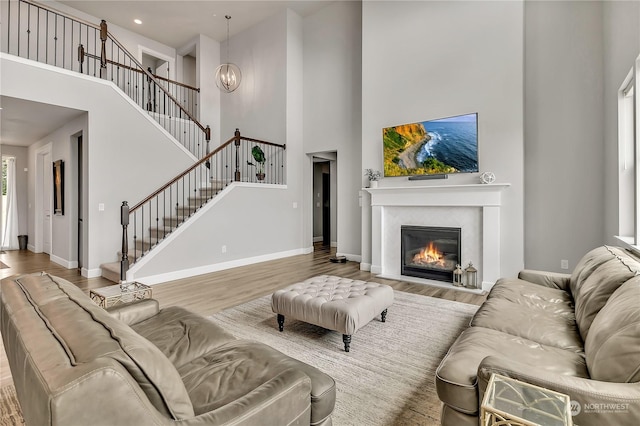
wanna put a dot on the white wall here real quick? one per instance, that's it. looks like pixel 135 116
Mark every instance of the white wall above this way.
pixel 128 154
pixel 564 164
pixel 332 109
pixel 621 48
pixel 425 60
pixel 247 220
pixel 208 59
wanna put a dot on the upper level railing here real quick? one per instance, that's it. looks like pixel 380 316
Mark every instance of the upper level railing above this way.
pixel 240 159
pixel 43 34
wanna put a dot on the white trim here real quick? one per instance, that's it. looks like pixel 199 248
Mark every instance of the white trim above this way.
pixel 216 267
pixel 317 239
pixel 38 234
pixel 31 248
pixel 69 264
pixel 334 244
pixel 308 250
pixel 351 257
pixel 628 242
pixel 91 273
pixel 365 267
pixel 172 60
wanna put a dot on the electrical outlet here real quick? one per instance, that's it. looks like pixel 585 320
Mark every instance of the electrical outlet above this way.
pixel 564 264
pixel 224 249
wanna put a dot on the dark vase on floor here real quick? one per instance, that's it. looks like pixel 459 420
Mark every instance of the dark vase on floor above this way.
pixel 260 176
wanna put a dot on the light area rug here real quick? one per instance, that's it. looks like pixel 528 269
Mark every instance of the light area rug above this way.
pixel 388 377
pixel 10 414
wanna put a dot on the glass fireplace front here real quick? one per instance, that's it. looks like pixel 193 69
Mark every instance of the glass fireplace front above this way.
pixel 430 252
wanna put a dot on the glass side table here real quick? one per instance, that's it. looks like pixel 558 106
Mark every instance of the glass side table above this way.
pixel 514 403
pixel 115 295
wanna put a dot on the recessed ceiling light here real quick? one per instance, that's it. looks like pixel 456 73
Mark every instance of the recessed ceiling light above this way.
pixel 137 21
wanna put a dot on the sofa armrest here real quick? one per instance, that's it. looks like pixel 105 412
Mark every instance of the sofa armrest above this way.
pixel 596 402
pixel 547 279
pixel 135 312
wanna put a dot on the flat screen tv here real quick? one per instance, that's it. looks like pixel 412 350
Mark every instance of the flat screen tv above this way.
pixel 441 146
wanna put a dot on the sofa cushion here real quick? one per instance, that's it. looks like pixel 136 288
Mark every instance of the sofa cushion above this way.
pixel 597 276
pixel 456 377
pixel 87 332
pixel 232 370
pixel 551 300
pixel 548 327
pixel 182 335
pixel 613 345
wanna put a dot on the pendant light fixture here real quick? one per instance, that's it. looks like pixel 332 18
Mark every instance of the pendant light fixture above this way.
pixel 228 75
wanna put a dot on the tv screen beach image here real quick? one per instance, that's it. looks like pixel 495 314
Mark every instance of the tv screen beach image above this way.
pixel 442 146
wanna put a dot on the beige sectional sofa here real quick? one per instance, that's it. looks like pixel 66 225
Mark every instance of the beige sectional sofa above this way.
pixel 74 363
pixel 578 334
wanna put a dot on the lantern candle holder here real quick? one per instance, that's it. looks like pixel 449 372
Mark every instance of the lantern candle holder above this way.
pixel 471 276
pixel 457 276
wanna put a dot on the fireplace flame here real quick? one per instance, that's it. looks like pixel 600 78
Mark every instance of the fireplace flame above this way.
pixel 429 256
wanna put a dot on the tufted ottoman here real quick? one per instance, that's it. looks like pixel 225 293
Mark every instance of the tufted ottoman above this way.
pixel 334 303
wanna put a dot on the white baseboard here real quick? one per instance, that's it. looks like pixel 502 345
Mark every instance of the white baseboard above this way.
pixel 69 264
pixel 317 239
pixel 91 273
pixel 334 244
pixel 376 269
pixel 207 269
pixel 365 266
pixel 351 257
pixel 31 248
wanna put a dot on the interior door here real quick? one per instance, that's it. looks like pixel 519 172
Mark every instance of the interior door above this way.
pixel 326 210
pixel 80 203
pixel 47 189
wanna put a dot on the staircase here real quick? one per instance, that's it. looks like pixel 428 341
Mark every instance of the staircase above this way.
pixel 166 225
pixel 89 49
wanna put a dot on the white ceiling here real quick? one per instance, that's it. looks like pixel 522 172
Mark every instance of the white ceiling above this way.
pixel 24 122
pixel 176 22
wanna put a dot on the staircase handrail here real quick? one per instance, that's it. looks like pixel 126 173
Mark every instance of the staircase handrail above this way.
pixel 235 138
pixel 158 77
pixel 104 35
pixel 153 78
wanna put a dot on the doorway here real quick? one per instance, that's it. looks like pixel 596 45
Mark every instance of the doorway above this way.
pixel 324 199
pixel 80 197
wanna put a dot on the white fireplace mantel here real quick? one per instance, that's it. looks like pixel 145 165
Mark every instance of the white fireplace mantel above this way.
pixel 485 196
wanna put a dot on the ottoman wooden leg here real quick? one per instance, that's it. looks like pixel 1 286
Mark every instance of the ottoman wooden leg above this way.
pixel 384 315
pixel 346 338
pixel 280 322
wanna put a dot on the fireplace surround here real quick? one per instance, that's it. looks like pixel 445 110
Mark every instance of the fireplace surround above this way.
pixel 392 206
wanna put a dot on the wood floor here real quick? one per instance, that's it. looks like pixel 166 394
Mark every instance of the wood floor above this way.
pixel 210 293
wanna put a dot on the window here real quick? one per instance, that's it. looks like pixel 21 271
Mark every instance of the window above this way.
pixel 629 161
